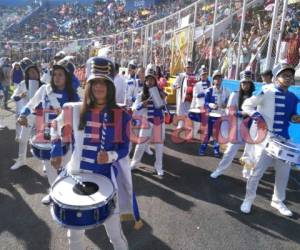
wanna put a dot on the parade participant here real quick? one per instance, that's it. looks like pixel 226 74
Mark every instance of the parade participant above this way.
pixel 59 56
pixel 140 79
pixel 234 108
pixel 47 103
pixel 277 106
pixel 184 85
pixel 127 199
pixel 16 74
pixel 99 140
pixel 131 83
pixel 24 92
pixel 215 100
pixel 266 76
pixel 120 85
pixel 139 89
pixel 200 88
pixel 68 61
pixel 155 118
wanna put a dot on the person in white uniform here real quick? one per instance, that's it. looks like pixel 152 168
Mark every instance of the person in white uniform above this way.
pixel 277 106
pixel 184 91
pixel 24 92
pixel 238 122
pixel 99 140
pixel 154 117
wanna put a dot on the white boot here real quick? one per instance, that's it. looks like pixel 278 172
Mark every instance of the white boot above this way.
pixel 282 209
pixel 19 163
pixel 215 174
pixel 148 150
pixel 46 199
pixel 246 206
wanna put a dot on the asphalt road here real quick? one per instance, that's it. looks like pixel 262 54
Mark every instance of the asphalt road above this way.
pixel 184 210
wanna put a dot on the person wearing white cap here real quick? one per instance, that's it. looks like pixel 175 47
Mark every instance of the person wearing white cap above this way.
pixel 237 117
pixel 132 83
pixel 276 107
pixel 216 98
pixel 154 130
pixel 97 145
pixel 184 85
pixel 24 92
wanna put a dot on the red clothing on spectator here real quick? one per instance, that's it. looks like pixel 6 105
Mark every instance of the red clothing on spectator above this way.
pixel 293 45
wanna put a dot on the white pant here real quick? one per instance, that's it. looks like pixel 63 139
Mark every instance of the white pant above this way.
pixel 282 172
pixel 113 229
pixel 228 156
pixel 183 110
pixel 140 147
pixel 51 171
pixel 124 180
pixel 23 142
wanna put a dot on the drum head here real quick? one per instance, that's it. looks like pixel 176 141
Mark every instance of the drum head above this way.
pixel 214 114
pixel 39 142
pixel 195 110
pixel 99 187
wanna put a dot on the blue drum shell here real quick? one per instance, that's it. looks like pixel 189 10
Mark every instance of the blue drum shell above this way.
pixel 82 218
pixel 43 154
pixel 196 117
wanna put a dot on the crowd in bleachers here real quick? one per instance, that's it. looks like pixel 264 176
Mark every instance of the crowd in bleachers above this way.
pixel 76 21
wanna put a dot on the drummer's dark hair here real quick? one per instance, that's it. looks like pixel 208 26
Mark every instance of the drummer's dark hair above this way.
pixel 89 102
pixel 145 93
pixel 69 87
pixel 242 93
pixel 26 77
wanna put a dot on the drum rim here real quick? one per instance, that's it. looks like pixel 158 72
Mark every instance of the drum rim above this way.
pixel 76 227
pixel 102 203
pixel 275 141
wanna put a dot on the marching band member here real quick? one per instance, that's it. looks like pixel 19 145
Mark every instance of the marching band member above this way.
pixel 120 85
pixel 266 76
pixel 16 74
pixel 48 102
pixel 127 200
pixel 144 104
pixel 140 79
pixel 234 108
pixel 131 84
pixel 215 99
pixel 204 77
pixel 184 85
pixel 99 139
pixel 276 106
pixel 24 92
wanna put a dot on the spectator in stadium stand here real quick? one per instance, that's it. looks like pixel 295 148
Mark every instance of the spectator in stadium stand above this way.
pixel 267 76
pixel 5 79
pixel 293 46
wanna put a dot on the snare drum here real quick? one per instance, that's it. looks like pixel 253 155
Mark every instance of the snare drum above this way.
pixel 41 148
pixel 283 149
pixel 215 115
pixel 78 207
pixel 195 114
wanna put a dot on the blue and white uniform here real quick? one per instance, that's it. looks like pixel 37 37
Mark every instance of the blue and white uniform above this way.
pixel 155 132
pixel 46 103
pixel 131 90
pixel 87 143
pixel 234 134
pixel 213 97
pixel 276 107
pixel 22 132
